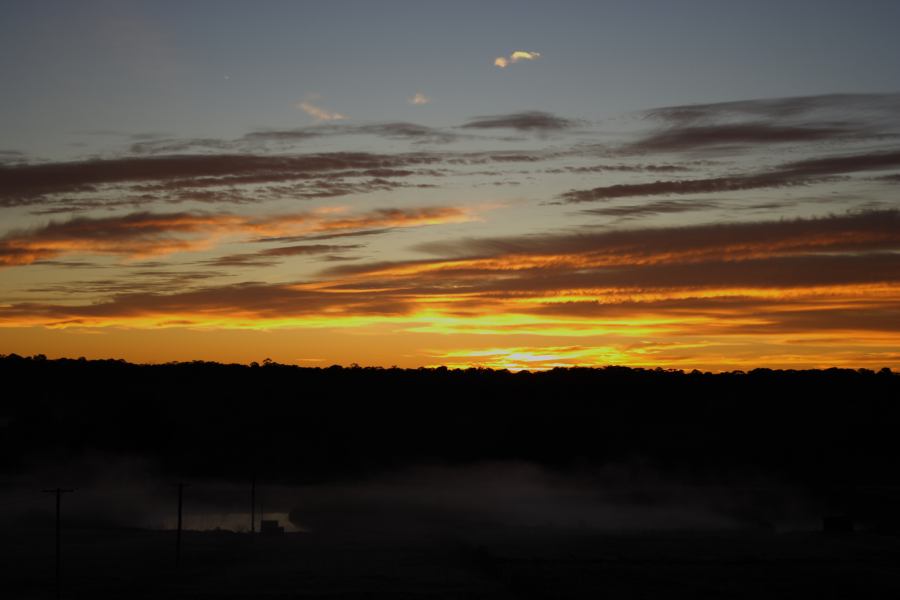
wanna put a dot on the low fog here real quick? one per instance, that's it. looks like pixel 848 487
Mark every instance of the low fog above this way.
pixel 116 492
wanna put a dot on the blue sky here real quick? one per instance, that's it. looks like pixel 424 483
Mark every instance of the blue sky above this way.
pixel 222 68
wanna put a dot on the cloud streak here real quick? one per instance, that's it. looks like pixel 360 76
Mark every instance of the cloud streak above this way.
pixel 137 235
pixel 24 183
pixel 739 135
pixel 144 234
pixel 522 121
pixel 272 256
pixel 318 113
pixel 796 173
pixel 651 208
pixel 782 109
pixel 516 56
pixel 872 231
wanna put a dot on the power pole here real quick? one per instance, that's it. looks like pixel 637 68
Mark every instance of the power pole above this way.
pixel 253 505
pixel 178 531
pixel 59 492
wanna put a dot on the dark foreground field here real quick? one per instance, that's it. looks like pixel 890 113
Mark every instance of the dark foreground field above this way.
pixel 494 563
pixel 614 482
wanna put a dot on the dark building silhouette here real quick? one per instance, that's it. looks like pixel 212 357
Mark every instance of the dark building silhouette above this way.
pixel 270 527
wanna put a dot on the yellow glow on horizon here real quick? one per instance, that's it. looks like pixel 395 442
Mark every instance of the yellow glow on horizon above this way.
pixel 719 328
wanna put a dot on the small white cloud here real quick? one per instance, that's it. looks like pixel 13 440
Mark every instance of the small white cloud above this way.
pixel 516 56
pixel 419 98
pixel 523 55
pixel 318 113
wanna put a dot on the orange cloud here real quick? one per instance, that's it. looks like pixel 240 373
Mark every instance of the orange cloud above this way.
pixel 797 292
pixel 137 235
pixel 140 235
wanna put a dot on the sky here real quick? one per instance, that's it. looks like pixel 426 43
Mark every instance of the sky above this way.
pixel 520 185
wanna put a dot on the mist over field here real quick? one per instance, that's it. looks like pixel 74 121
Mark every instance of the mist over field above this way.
pixel 422 500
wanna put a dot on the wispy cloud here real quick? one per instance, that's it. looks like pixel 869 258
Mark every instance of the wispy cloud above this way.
pixel 534 120
pixel 781 109
pixel 747 124
pixel 319 113
pixel 137 235
pixel 419 98
pixel 184 174
pixel 852 233
pixel 272 256
pixel 651 208
pixel 795 173
pixel 516 56
pixel 177 146
pixel 680 139
pixel 145 234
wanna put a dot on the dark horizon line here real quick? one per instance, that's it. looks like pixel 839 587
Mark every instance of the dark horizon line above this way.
pixel 268 362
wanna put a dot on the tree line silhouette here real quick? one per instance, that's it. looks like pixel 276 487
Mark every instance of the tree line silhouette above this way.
pixel 301 424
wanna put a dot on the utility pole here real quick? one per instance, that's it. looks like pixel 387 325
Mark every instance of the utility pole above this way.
pixel 253 504
pixel 178 531
pixel 59 492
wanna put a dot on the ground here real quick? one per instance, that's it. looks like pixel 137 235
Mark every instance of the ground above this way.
pixel 492 563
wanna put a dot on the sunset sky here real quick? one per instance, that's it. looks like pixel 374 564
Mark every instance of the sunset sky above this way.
pixel 692 184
